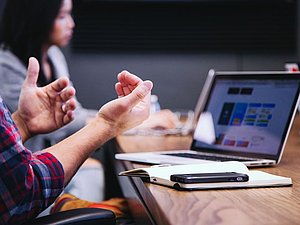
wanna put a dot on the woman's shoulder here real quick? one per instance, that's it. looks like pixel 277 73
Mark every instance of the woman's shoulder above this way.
pixel 9 61
pixel 55 51
pixel 59 61
pixel 56 55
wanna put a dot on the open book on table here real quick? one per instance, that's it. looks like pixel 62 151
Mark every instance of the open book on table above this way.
pixel 160 174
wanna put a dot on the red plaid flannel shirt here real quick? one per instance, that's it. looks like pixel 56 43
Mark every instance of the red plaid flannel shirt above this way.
pixel 29 182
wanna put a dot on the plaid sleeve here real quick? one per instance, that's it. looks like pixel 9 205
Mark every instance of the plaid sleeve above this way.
pixel 28 182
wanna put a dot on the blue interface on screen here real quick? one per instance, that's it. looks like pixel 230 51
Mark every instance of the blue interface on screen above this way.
pixel 250 115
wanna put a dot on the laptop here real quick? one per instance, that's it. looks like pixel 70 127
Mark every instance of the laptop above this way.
pixel 240 116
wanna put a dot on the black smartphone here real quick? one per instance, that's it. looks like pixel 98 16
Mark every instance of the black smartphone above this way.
pixel 209 177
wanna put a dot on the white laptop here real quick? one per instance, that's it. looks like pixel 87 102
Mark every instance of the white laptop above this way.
pixel 240 116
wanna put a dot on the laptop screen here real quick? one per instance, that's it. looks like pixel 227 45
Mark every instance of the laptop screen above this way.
pixel 250 114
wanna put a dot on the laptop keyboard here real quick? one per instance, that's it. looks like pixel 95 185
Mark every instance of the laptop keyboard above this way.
pixel 207 157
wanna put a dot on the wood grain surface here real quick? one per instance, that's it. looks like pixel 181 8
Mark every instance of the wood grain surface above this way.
pixel 276 206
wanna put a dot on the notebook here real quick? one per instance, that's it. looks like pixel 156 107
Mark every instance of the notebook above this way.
pixel 240 116
pixel 161 175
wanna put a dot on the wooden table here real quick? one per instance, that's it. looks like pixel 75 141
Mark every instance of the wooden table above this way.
pixel 155 204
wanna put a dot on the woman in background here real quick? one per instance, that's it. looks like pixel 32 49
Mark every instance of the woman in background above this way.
pixel 40 28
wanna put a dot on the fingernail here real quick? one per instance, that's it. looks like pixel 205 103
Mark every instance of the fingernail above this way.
pixel 148 84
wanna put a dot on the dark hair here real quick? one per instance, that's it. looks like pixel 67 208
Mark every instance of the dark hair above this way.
pixel 26 26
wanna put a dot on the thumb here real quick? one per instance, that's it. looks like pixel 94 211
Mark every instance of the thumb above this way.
pixel 139 93
pixel 32 72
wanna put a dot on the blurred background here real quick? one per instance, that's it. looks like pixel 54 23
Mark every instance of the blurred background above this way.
pixel 175 42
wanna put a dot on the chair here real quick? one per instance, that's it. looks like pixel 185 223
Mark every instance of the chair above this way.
pixel 82 216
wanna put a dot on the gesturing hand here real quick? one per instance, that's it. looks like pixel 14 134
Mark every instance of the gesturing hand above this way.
pixel 133 105
pixel 43 109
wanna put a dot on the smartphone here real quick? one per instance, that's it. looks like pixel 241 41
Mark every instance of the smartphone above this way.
pixel 209 177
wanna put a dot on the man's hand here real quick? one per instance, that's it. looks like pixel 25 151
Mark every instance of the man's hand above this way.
pixel 133 105
pixel 130 109
pixel 43 109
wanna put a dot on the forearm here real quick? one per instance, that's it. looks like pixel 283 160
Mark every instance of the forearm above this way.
pixel 74 150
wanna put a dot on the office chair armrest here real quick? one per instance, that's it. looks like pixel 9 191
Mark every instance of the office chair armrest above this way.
pixel 82 216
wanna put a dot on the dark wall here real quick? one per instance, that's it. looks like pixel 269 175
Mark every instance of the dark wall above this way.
pixel 178 79
pixel 2 2
pixel 178 73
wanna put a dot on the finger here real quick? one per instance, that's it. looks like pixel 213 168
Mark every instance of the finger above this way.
pixel 32 72
pixel 68 117
pixel 126 78
pixel 128 81
pixel 69 106
pixel 119 89
pixel 126 90
pixel 130 88
pixel 67 94
pixel 123 90
pixel 139 93
pixel 68 110
pixel 57 86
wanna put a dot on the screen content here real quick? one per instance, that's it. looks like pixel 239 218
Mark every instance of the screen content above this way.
pixel 249 115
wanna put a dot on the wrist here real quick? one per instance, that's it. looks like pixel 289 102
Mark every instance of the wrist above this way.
pixel 22 126
pixel 102 129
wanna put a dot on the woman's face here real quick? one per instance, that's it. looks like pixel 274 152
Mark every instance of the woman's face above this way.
pixel 63 26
